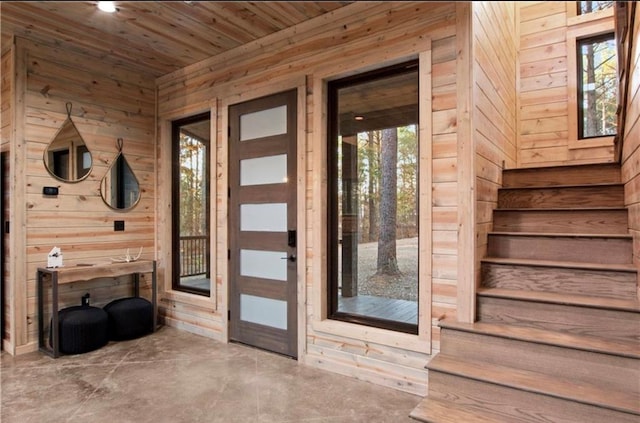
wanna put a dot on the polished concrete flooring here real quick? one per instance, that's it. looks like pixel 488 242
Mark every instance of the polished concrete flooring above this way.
pixel 174 376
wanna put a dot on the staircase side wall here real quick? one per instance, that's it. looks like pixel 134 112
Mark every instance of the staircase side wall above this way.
pixel 631 143
pixel 495 111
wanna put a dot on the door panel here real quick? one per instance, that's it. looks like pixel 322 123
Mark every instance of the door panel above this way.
pixel 262 214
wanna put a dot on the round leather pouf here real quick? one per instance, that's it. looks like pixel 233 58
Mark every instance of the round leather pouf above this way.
pixel 129 318
pixel 82 329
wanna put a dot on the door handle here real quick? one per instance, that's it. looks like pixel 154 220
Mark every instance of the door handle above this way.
pixel 291 258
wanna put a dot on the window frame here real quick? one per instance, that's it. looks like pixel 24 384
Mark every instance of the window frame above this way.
pixel 175 200
pixel 580 27
pixel 580 87
pixel 332 198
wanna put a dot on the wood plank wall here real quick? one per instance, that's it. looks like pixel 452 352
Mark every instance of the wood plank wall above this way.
pixel 495 109
pixel 631 145
pixel 6 128
pixel 544 135
pixel 6 70
pixel 108 102
pixel 355 38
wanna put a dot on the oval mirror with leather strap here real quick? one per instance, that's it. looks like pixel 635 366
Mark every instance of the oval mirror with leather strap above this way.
pixel 119 187
pixel 67 157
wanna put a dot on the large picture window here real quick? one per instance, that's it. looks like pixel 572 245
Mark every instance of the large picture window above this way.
pixel 373 202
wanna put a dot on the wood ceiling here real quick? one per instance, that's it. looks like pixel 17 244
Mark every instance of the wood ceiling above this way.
pixel 154 37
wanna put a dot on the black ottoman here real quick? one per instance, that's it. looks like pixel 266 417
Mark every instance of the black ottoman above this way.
pixel 82 329
pixel 129 318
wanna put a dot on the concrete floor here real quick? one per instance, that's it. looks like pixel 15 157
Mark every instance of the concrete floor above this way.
pixel 174 376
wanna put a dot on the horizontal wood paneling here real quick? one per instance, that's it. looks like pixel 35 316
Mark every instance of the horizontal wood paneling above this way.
pixel 494 111
pixel 356 38
pixel 107 103
pixel 544 97
pixel 631 144
pixel 154 37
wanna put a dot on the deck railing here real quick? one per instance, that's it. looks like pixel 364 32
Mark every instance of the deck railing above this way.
pixel 194 256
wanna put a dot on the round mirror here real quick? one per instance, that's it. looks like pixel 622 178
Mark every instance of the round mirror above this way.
pixel 67 157
pixel 119 188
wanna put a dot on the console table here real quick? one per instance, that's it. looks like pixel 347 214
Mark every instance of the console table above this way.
pixel 63 275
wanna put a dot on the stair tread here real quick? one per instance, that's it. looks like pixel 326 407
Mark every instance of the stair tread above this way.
pixel 547 337
pixel 567 209
pixel 441 411
pixel 561 234
pixel 620 267
pixel 559 186
pixel 560 298
pixel 536 382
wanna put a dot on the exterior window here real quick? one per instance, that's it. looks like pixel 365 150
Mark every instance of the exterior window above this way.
pixel 585 7
pixel 191 205
pixel 597 86
pixel 373 212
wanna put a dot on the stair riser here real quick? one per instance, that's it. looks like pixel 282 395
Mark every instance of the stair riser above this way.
pixel 566 197
pixel 603 283
pixel 608 324
pixel 561 221
pixel 570 175
pixel 578 249
pixel 508 404
pixel 613 372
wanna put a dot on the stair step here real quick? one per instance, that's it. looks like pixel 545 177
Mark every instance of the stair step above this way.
pixel 526 395
pixel 614 371
pixel 577 196
pixel 631 305
pixel 579 315
pixel 611 347
pixel 608 173
pixel 629 268
pixel 432 410
pixel 583 221
pixel 611 281
pixel 566 247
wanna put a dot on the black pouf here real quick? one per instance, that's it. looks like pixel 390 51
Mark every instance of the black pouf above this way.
pixel 82 329
pixel 129 318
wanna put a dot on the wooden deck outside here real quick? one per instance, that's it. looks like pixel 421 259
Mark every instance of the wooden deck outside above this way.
pixel 383 308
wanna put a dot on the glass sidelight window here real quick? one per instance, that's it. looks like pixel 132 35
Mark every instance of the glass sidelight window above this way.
pixel 373 202
pixel 191 204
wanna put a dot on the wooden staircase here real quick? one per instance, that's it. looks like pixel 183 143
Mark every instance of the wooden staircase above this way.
pixel 557 331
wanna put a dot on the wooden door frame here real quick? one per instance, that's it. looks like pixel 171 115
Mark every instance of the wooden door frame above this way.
pixel 274 87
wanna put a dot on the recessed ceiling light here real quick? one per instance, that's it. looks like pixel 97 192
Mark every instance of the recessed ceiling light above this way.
pixel 107 6
pixel 358 117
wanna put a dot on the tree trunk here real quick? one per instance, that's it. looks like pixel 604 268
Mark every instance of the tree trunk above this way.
pixel 590 110
pixel 387 260
pixel 372 157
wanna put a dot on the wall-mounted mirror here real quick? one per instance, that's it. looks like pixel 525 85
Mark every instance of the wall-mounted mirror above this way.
pixel 119 188
pixel 67 157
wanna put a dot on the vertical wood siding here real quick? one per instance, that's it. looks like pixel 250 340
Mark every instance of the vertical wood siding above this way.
pixel 107 103
pixel 495 108
pixel 543 91
pixel 356 38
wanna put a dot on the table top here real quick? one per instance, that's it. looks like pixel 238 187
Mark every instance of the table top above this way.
pixel 88 271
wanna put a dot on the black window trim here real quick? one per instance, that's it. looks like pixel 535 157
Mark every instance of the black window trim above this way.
pixel 332 215
pixel 579 85
pixel 175 200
